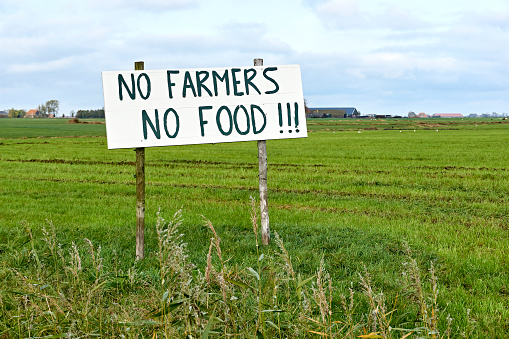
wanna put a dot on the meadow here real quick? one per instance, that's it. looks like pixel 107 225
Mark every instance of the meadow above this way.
pixel 392 228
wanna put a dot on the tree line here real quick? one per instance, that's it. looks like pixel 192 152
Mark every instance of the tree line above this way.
pixel 16 113
pixel 92 113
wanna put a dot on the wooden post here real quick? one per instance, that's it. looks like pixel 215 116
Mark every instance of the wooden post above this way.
pixel 140 191
pixel 262 178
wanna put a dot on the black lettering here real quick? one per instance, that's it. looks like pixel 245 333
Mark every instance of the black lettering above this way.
pixel 170 84
pixel 236 82
pixel 248 80
pixel 177 123
pixel 131 93
pixel 145 119
pixel 188 83
pixel 147 79
pixel 224 79
pixel 271 69
pixel 236 122
pixel 218 120
pixel 253 107
pixel 200 81
pixel 203 122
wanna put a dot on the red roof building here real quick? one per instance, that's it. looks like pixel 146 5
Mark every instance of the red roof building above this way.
pixel 32 113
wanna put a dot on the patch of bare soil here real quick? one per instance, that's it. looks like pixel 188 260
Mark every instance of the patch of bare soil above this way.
pixel 78 121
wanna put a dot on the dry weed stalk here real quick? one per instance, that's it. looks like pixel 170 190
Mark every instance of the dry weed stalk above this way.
pixel 348 308
pixel 75 262
pixel 50 237
pixel 284 254
pixel 172 254
pixel 97 260
pixel 210 270
pixel 378 319
pixel 320 293
pixel 429 313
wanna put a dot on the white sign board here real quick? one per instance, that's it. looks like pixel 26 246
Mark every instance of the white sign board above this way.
pixel 199 106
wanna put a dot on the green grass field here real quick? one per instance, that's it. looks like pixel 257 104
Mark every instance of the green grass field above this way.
pixel 354 192
pixel 40 128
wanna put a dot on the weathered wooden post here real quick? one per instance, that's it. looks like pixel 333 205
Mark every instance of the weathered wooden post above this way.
pixel 140 191
pixel 262 179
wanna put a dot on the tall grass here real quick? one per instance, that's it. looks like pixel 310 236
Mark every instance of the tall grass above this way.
pixel 70 290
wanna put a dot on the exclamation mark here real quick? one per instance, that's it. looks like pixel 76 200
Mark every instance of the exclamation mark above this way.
pixel 289 111
pixel 297 117
pixel 280 117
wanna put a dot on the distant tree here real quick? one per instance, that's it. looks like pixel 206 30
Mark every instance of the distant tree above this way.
pixel 43 111
pixel 306 109
pixel 17 113
pixel 52 107
pixel 13 113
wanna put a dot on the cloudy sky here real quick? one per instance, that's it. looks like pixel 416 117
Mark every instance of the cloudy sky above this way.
pixel 381 56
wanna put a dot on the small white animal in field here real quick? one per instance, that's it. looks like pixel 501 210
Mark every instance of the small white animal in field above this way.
pixel 414 130
pixel 399 131
pixel 437 130
pixel 359 132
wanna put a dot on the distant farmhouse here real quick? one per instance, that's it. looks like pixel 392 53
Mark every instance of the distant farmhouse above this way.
pixel 448 115
pixel 4 114
pixel 334 112
pixel 33 113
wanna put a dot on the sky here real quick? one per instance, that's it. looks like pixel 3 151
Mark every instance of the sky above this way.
pixel 380 56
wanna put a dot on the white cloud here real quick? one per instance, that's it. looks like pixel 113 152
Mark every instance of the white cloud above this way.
pixel 47 66
pixel 340 9
pixel 399 18
pixel 342 14
pixel 400 65
pixel 146 5
pixel 348 15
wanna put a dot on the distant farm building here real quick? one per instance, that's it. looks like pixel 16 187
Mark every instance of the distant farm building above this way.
pixel 448 115
pixel 422 115
pixel 4 114
pixel 334 112
pixel 33 113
